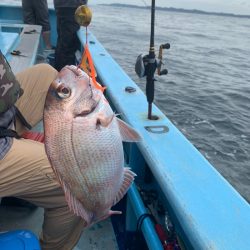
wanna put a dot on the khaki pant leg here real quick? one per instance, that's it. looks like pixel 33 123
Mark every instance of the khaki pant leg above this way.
pixel 26 173
pixel 35 82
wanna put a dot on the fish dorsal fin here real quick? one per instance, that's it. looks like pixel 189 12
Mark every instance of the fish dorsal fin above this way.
pixel 128 133
pixel 128 178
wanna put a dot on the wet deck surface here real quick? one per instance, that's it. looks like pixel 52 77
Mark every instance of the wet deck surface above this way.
pixel 98 237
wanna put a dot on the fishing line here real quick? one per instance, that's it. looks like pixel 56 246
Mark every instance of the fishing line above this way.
pixel 144 2
pixel 86 31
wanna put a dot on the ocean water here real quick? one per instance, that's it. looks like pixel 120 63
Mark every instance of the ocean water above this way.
pixel 206 93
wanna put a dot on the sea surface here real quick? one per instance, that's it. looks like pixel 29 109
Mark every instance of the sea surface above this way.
pixel 206 93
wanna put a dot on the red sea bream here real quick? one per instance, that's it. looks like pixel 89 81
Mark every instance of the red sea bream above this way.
pixel 83 141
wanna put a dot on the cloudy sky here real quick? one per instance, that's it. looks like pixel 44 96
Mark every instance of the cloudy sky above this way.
pixel 228 6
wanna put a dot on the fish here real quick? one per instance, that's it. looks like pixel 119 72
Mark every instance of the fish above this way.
pixel 84 144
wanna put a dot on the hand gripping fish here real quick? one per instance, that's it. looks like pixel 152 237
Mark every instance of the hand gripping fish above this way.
pixel 83 141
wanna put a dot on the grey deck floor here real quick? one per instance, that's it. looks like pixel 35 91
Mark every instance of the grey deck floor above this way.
pixel 98 237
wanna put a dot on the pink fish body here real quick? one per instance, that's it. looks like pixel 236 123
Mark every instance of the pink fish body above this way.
pixel 83 141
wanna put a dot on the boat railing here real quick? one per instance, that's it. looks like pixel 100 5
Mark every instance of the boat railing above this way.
pixel 207 211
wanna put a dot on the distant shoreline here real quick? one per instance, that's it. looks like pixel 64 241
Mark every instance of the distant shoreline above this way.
pixel 194 11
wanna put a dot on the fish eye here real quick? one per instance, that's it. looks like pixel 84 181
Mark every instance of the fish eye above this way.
pixel 63 91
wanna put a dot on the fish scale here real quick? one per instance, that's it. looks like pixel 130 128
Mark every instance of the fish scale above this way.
pixel 64 151
pixel 83 141
pixel 102 154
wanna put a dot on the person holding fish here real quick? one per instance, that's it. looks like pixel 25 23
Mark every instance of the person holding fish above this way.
pixel 25 171
pixel 79 174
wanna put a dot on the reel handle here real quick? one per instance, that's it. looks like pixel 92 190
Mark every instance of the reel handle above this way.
pixel 163 72
pixel 160 57
pixel 165 46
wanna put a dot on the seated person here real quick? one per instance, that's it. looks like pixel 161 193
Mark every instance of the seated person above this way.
pixel 25 171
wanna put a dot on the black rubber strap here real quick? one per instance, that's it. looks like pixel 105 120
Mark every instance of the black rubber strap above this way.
pixel 8 133
pixel 22 119
pixel 141 219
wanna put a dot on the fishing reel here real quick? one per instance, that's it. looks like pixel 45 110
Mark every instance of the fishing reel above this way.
pixel 146 66
pixel 142 63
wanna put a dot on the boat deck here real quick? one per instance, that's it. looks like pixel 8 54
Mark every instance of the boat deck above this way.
pixel 21 38
pixel 97 237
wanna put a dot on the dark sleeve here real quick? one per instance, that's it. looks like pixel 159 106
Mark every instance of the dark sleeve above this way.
pixel 10 89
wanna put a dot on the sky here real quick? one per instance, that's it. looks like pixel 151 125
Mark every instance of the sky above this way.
pixel 226 6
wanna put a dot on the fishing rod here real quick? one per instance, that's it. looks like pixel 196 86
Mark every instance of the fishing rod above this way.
pixel 147 65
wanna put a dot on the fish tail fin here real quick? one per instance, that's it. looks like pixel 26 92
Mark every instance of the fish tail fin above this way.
pixel 128 178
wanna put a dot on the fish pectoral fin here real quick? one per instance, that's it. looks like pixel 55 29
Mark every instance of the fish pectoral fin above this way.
pixel 129 177
pixel 76 206
pixel 128 133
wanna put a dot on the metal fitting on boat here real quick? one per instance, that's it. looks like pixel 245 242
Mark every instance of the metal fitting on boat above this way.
pixel 130 89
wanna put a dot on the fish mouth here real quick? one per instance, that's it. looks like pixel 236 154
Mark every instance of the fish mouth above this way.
pixel 86 112
pixel 77 71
